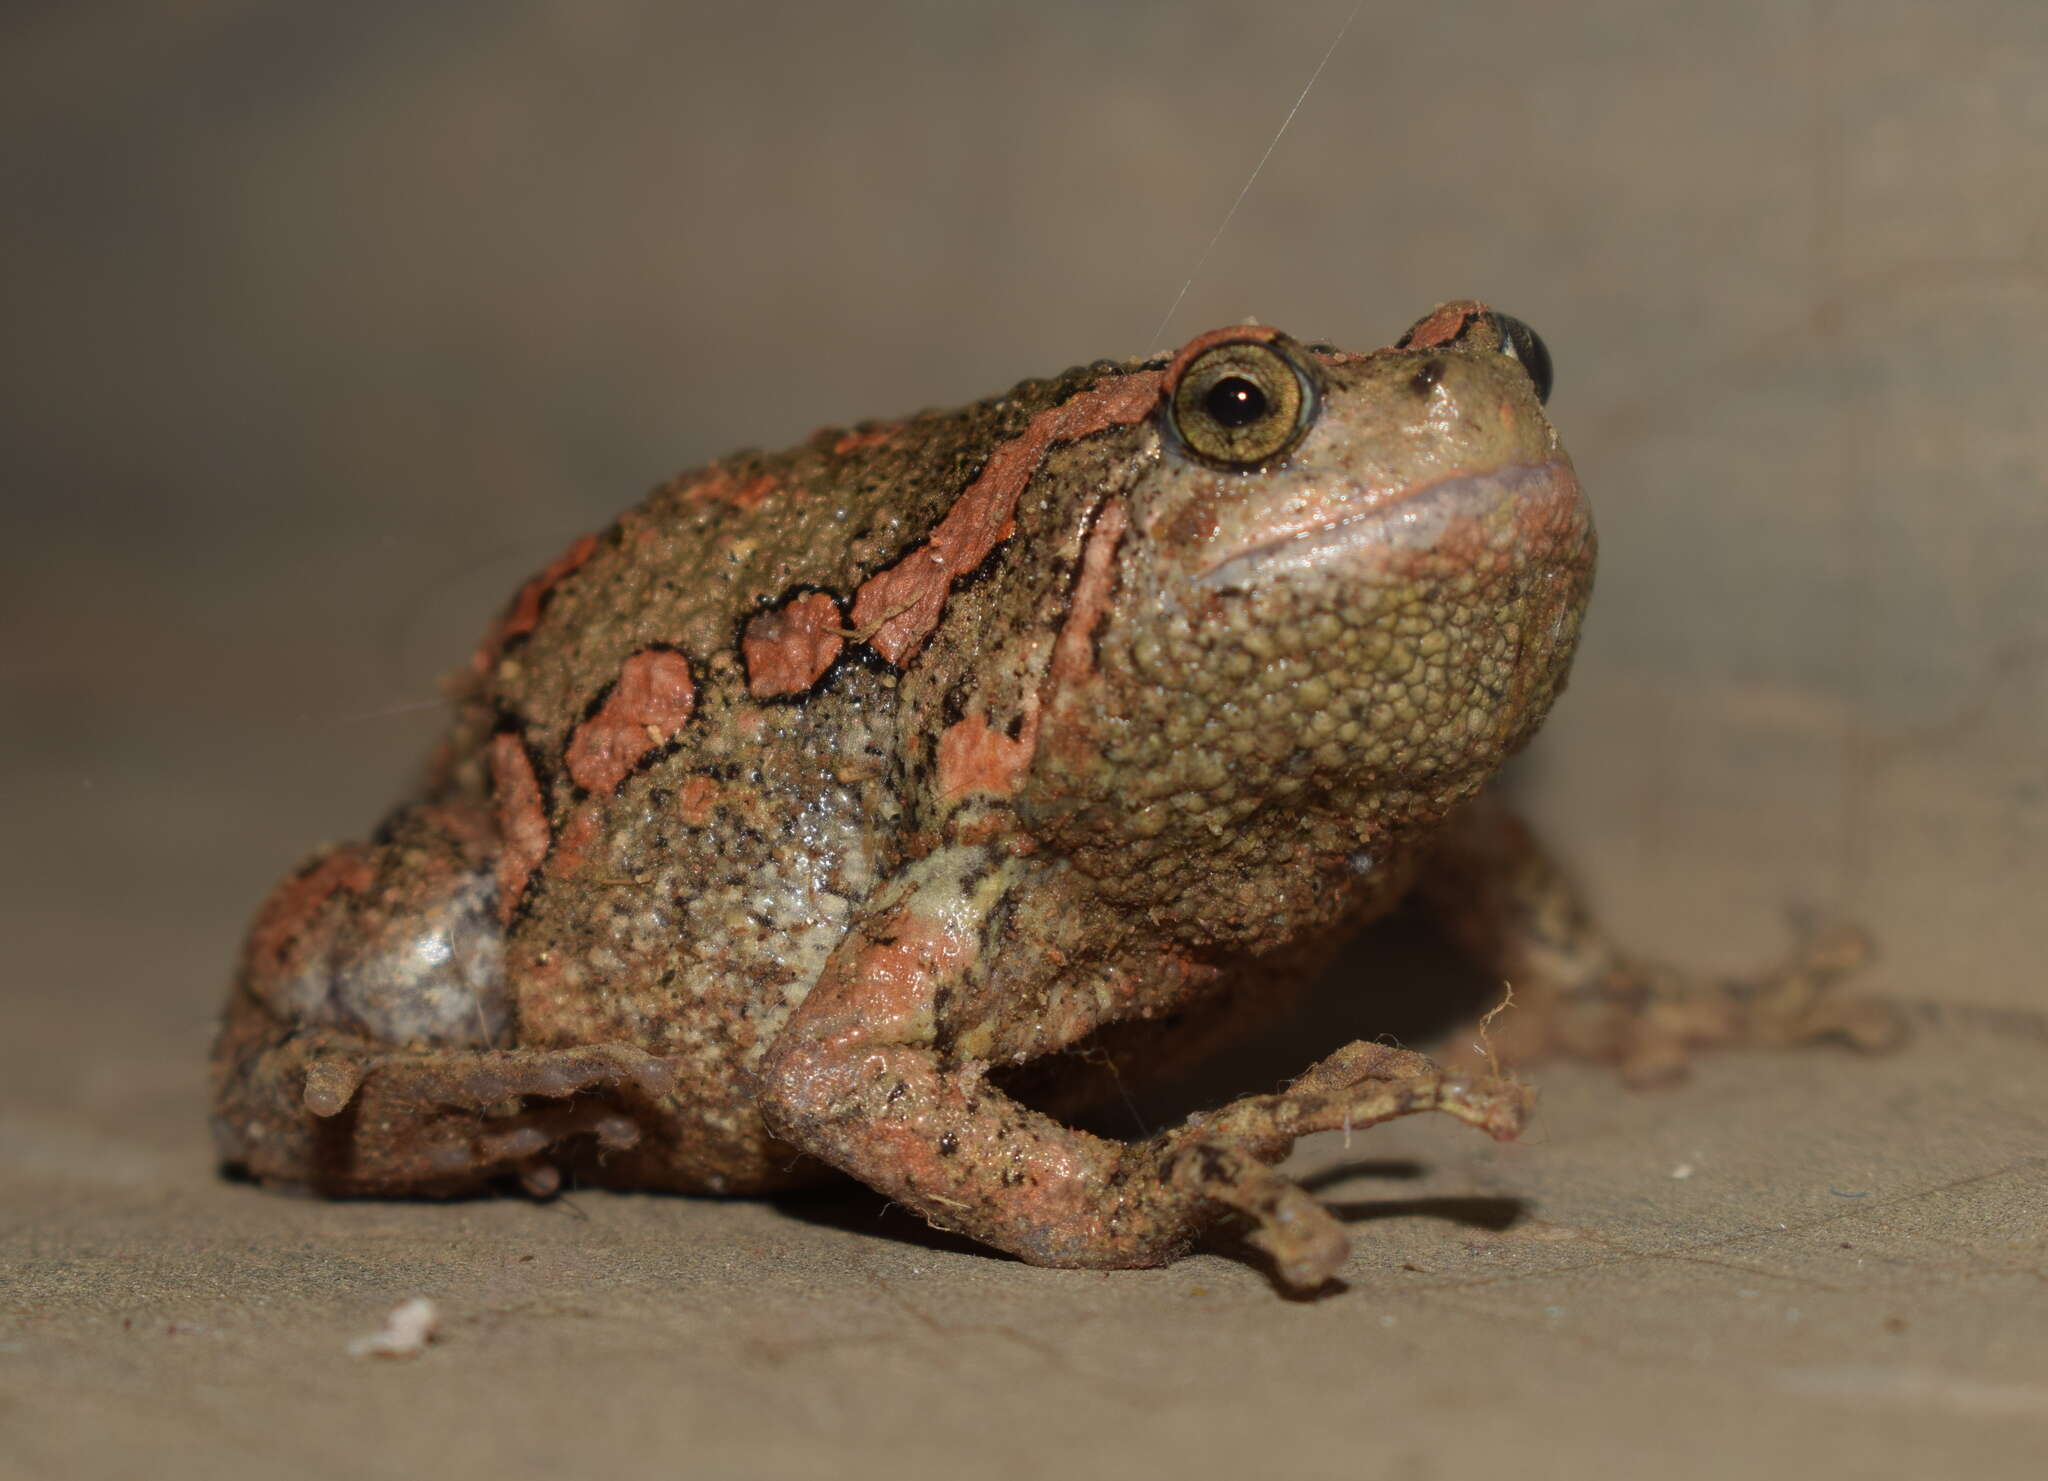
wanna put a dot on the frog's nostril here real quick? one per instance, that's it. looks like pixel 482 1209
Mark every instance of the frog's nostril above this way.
pixel 1470 324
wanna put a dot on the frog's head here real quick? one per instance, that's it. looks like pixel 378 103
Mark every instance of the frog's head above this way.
pixel 1344 591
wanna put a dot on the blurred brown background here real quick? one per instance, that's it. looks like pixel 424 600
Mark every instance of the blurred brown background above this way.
pixel 326 324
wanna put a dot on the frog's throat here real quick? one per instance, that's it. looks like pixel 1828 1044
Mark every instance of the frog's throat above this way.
pixel 1417 519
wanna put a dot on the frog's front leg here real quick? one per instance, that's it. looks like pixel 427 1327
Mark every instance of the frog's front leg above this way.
pixel 862 1077
pixel 1510 906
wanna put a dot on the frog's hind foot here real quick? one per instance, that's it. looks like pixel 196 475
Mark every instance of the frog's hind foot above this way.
pixel 345 1117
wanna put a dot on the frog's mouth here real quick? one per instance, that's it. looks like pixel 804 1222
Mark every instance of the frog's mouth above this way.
pixel 1494 505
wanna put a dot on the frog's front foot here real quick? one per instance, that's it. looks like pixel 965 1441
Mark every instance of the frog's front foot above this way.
pixel 1575 992
pixel 1655 1016
pixel 1798 1002
pixel 1221 1157
pixel 931 1133
pixel 1648 1019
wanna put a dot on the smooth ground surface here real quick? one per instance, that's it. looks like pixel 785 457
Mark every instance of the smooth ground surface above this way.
pixel 324 326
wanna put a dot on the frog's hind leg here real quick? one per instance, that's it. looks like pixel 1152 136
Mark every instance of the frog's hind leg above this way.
pixel 338 1115
pixel 1510 906
pixel 360 1052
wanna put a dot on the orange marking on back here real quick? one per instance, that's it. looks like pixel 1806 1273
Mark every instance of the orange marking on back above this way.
pixel 902 603
pixel 651 701
pixel 1073 655
pixel 522 821
pixel 788 649
pixel 523 616
pixel 283 931
pixel 857 439
pixel 718 485
pixel 576 838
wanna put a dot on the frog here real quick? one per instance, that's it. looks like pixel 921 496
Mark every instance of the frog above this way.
pixel 873 808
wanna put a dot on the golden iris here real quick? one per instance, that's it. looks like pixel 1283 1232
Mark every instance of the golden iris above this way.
pixel 1243 404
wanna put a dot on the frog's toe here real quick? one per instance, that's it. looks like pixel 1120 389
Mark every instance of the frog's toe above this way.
pixel 1650 1060
pixel 1867 1025
pixel 1830 948
pixel 541 1180
pixel 331 1083
pixel 1304 1240
pixel 1798 1003
pixel 1306 1244
pixel 1871 1025
pixel 526 1145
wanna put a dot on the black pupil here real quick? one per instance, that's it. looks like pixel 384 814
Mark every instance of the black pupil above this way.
pixel 1235 402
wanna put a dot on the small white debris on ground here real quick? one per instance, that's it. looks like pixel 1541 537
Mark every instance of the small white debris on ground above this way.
pixel 407 1331
pixel 1681 1172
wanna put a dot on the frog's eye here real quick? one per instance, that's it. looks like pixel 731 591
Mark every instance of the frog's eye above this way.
pixel 1242 404
pixel 1519 342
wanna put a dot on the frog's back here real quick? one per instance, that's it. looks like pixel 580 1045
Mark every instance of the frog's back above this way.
pixel 702 566
pixel 698 767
